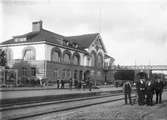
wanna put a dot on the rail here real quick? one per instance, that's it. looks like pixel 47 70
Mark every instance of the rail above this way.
pixel 69 105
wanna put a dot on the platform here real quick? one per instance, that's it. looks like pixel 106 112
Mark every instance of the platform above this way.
pixel 13 93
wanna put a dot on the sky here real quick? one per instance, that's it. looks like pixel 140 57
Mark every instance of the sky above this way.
pixel 133 31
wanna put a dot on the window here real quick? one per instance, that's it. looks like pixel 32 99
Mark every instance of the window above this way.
pixel 55 56
pixel 68 74
pixel 86 60
pixel 75 74
pixel 76 46
pixel 33 71
pixel 76 60
pixel 56 74
pixel 67 58
pixel 29 54
pixel 100 61
pixel 24 71
pixel 20 39
pixel 93 60
pixel 1 76
pixel 63 74
pixel 65 42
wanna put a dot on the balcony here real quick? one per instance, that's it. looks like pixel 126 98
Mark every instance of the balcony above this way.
pixel 33 62
pixel 42 62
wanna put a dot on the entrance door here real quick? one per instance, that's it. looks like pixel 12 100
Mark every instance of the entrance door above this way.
pixel 75 75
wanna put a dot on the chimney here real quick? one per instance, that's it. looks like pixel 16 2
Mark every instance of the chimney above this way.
pixel 36 26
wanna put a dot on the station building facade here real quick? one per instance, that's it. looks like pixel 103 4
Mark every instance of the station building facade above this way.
pixel 53 56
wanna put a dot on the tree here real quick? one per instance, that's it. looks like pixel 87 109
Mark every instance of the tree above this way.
pixel 26 78
pixel 3 60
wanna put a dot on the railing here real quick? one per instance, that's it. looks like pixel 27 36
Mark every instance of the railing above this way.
pixel 104 67
pixel 146 67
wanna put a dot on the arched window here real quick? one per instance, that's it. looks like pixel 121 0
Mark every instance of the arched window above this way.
pixel 100 60
pixel 56 55
pixel 68 74
pixel 29 54
pixel 76 59
pixel 86 60
pixel 67 57
pixel 93 59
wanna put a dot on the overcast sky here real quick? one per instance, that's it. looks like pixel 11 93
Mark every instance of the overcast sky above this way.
pixel 133 31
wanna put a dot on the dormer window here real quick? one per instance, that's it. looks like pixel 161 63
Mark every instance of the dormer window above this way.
pixel 70 44
pixel 16 39
pixel 76 46
pixel 61 41
pixel 20 39
pixel 67 43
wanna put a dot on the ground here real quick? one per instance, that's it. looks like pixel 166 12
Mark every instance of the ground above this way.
pixel 121 112
pixel 113 111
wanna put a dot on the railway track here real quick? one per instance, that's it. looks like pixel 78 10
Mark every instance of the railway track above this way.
pixel 40 99
pixel 49 102
pixel 29 111
pixel 38 109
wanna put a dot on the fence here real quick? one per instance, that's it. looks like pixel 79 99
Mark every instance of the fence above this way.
pixel 8 77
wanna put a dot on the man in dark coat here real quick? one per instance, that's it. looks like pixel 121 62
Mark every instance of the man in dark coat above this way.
pixel 127 92
pixel 62 83
pixel 70 83
pixel 158 90
pixel 58 83
pixel 90 85
pixel 149 92
pixel 140 87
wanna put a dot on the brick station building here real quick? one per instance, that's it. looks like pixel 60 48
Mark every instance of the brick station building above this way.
pixel 53 56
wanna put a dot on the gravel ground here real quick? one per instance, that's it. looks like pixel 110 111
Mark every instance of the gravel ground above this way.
pixel 159 114
pixel 113 111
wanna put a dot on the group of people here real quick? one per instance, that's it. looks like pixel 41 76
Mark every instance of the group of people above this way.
pixel 77 84
pixel 145 91
pixel 60 83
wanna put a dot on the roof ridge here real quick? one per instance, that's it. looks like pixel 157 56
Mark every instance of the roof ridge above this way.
pixel 83 34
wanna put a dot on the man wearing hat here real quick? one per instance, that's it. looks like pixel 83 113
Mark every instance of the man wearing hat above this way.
pixel 149 92
pixel 140 87
pixel 127 91
pixel 158 90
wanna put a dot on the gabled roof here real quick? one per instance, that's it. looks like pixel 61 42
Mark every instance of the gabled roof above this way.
pixel 101 42
pixel 84 41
